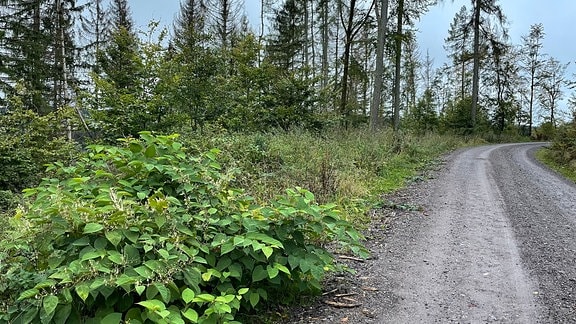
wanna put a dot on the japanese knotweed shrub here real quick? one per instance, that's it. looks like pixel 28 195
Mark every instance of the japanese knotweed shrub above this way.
pixel 144 233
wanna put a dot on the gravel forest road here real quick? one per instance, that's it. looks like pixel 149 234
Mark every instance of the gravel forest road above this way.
pixel 493 241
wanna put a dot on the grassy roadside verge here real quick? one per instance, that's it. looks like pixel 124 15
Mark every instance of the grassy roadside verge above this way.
pixel 544 155
pixel 352 169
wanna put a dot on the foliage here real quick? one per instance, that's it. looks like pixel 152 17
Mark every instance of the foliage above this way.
pixel 563 148
pixel 456 118
pixel 353 168
pixel 423 117
pixel 28 142
pixel 145 233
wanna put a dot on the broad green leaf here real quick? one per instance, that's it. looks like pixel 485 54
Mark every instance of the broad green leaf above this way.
pixel 254 299
pixel 92 228
pixel 160 220
pixel 45 284
pixel 30 293
pixel 150 151
pixel 164 292
pixel 243 291
pixel 49 303
pixel 144 272
pixel 133 314
pixel 264 238
pixel 282 268
pixel 222 308
pixel 131 255
pixel 131 235
pixel 155 266
pixel 30 315
pixel 112 318
pixel 227 248
pixel 185 230
pixel 272 272
pixel 115 237
pixel 83 290
pixel 267 251
pixel 126 280
pixel 91 255
pixel 204 298
pixel 136 147
pixel 225 299
pixel 115 257
pixel 140 289
pixel 62 313
pixel 83 241
pixel 188 295
pixel 191 314
pixel 97 283
pixel 163 313
pixel 164 254
pixel 259 274
pixel 153 305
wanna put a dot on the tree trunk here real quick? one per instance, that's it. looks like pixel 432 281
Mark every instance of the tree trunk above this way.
pixel 398 62
pixel 325 40
pixel 476 68
pixel 379 73
pixel 348 31
pixel 531 104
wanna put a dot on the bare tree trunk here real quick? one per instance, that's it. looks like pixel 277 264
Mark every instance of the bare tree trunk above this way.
pixel 312 41
pixel 379 73
pixel 306 51
pixel 348 32
pixel 476 68
pixel 398 65
pixel 325 40
pixel 531 108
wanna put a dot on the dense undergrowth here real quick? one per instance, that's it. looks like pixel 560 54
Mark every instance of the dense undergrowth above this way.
pixel 167 230
pixel 561 155
pixel 352 168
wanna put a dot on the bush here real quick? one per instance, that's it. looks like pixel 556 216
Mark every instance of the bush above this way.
pixel 564 145
pixel 145 233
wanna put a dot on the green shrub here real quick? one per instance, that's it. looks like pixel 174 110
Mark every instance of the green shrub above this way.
pixel 145 233
pixel 563 147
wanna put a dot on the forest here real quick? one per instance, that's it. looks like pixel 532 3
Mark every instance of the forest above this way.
pixel 196 173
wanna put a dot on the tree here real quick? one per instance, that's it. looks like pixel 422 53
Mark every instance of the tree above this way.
pixel 190 24
pixel 351 28
pixel 488 7
pixel 551 82
pixel 121 16
pixel 505 80
pixel 224 19
pixel 26 47
pixel 397 62
pixel 379 73
pixel 288 40
pixel 95 32
pixel 457 44
pixel 533 60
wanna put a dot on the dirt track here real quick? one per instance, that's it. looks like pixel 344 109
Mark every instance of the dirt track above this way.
pixel 494 241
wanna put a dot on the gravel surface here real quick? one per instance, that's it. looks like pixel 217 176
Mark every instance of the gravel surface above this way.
pixel 489 237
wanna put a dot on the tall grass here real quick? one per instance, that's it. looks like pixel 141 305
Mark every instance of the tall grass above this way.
pixel 351 168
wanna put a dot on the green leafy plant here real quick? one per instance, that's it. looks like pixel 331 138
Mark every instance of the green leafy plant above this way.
pixel 145 233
